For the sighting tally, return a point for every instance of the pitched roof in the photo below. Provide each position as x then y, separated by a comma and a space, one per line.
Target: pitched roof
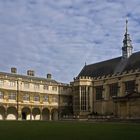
28, 77
133, 62
111, 66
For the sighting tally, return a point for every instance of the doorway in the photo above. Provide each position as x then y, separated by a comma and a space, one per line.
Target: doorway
24, 116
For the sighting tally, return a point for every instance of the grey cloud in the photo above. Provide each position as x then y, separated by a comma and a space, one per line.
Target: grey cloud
59, 36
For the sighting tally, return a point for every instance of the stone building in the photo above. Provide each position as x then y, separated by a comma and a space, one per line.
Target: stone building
105, 89
26, 97
109, 88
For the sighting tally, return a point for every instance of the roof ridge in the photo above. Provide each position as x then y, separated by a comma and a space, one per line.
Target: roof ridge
104, 61
27, 76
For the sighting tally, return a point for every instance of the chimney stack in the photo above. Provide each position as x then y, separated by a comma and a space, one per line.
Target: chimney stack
30, 72
49, 76
14, 70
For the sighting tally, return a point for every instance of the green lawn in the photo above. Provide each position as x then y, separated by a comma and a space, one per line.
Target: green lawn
25, 130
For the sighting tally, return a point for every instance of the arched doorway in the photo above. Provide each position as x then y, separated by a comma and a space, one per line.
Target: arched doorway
11, 113
45, 114
2, 113
26, 113
54, 114
36, 113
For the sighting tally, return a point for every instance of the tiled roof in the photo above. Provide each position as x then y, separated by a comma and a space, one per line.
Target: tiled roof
133, 62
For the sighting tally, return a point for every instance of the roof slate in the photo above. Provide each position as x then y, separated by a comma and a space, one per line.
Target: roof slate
110, 66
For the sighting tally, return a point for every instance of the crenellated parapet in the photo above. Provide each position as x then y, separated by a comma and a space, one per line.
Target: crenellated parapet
83, 78
117, 75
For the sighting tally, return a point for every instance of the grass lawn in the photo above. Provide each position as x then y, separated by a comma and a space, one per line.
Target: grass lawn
35, 130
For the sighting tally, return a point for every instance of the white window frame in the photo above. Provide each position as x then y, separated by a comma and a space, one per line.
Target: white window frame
36, 98
46, 98
26, 97
12, 96
54, 88
1, 82
12, 83
45, 87
1, 95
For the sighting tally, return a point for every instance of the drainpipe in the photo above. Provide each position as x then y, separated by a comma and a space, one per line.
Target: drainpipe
17, 98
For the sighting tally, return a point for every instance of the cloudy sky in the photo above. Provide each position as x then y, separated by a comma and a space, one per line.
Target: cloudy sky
59, 36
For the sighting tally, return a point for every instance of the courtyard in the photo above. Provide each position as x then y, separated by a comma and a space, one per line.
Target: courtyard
74, 130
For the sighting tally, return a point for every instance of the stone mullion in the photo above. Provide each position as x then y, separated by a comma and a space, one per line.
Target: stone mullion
50, 115
5, 114
91, 98
31, 97
106, 91
6, 96
122, 88
19, 114
87, 101
20, 97
41, 98
31, 114
40, 114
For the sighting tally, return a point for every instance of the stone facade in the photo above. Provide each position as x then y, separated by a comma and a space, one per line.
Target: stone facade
120, 101
108, 89
32, 98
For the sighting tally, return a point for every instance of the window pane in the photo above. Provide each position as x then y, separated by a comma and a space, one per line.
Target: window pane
36, 98
46, 98
46, 87
12, 83
54, 88
26, 97
84, 98
99, 92
1, 95
12, 96
129, 87
1, 82
113, 89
